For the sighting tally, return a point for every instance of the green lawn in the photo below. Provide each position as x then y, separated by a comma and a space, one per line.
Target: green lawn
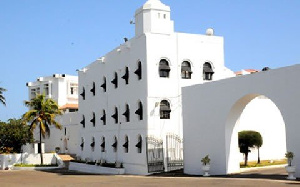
263, 163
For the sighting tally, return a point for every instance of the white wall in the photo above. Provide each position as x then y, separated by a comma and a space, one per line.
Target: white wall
210, 123
58, 138
127, 55
25, 158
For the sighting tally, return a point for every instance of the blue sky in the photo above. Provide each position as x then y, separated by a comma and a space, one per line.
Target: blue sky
40, 38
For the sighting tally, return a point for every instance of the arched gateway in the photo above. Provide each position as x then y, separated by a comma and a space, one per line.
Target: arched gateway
210, 118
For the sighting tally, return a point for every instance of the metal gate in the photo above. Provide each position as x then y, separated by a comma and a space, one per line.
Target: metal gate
155, 154
174, 151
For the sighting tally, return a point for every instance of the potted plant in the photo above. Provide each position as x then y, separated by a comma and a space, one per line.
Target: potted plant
206, 165
57, 149
290, 168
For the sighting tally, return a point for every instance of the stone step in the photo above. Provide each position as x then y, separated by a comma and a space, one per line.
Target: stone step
66, 157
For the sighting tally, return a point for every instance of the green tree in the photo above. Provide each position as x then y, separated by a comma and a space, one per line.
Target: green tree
249, 139
42, 113
13, 135
2, 98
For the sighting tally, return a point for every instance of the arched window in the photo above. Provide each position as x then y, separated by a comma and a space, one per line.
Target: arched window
138, 71
207, 71
139, 111
126, 114
165, 109
93, 144
104, 84
102, 145
82, 144
126, 144
115, 80
164, 68
139, 144
93, 120
126, 75
115, 144
115, 115
83, 93
83, 121
186, 71
103, 118
93, 90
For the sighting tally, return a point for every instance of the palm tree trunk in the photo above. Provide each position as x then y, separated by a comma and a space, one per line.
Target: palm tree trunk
40, 147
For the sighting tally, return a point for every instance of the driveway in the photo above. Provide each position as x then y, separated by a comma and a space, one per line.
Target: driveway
266, 177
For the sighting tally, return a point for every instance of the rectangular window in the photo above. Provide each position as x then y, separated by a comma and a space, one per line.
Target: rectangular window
38, 90
73, 89
46, 89
33, 93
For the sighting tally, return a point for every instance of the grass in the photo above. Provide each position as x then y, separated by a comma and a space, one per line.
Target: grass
35, 165
263, 163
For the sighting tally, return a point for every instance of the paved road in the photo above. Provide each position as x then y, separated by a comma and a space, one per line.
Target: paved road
269, 177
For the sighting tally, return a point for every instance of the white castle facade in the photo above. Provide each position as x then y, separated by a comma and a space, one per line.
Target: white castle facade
130, 99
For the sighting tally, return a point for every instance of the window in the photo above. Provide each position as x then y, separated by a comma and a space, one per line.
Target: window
126, 75
115, 144
139, 144
93, 90
115, 115
165, 109
103, 145
125, 145
83, 93
65, 131
104, 84
139, 111
93, 144
138, 71
127, 113
74, 89
115, 80
103, 118
46, 89
33, 93
186, 72
93, 120
207, 71
164, 68
38, 90
83, 121
73, 110
82, 144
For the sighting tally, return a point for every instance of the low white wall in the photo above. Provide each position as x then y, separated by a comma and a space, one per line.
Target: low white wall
25, 158
95, 169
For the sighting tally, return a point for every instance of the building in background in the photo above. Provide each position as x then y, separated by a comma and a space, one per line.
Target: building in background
64, 90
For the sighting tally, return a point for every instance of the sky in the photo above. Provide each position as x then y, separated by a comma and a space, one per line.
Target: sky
43, 37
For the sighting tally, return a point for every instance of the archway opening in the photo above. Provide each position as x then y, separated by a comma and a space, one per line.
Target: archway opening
258, 113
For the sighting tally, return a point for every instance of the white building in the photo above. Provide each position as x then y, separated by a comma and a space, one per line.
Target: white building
130, 99
64, 90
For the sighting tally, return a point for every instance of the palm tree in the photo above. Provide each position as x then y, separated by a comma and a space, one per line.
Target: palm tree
2, 98
42, 113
